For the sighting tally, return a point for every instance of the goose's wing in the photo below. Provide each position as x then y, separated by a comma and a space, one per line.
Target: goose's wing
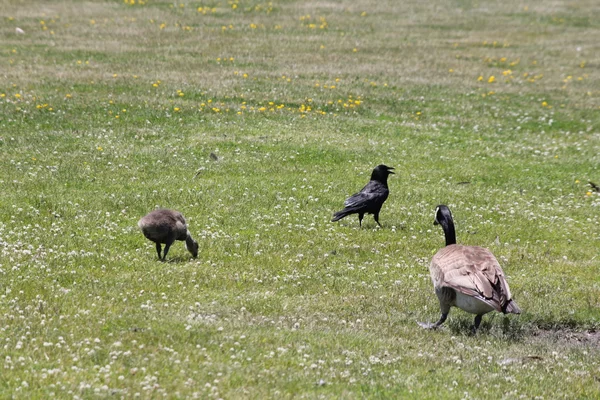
473, 271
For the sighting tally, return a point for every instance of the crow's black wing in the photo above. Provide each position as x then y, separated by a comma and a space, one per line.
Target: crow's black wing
373, 194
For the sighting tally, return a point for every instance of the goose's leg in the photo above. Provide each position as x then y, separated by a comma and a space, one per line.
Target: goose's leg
429, 325
476, 323
445, 296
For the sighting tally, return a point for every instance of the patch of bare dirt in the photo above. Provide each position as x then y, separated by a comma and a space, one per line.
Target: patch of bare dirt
567, 337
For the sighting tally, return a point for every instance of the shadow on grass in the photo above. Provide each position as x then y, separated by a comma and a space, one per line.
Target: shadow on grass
568, 333
178, 260
502, 327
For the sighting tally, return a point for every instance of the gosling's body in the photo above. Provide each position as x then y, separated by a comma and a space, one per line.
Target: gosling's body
467, 277
165, 226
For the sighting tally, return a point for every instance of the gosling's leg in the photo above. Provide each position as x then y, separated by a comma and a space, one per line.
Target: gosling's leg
167, 247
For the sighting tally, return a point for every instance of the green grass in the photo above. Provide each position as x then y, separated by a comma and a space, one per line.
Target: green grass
108, 110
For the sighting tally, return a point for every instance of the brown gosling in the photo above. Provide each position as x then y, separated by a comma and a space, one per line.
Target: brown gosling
467, 277
166, 226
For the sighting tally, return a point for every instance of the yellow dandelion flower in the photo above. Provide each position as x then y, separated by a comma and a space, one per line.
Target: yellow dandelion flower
491, 79
507, 72
576, 180
544, 104
480, 78
68, 95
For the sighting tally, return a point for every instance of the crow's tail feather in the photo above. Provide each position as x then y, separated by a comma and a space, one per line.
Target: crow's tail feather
339, 215
343, 213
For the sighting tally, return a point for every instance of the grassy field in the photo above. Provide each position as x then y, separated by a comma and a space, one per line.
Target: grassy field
109, 109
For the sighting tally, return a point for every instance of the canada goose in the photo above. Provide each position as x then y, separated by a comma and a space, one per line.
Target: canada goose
166, 226
370, 199
468, 277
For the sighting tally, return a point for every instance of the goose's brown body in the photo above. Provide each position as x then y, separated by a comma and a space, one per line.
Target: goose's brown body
470, 272
467, 277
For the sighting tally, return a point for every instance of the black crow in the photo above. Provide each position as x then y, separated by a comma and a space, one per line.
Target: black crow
166, 226
370, 199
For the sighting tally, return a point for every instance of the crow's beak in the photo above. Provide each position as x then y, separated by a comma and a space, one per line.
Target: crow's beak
390, 170
435, 222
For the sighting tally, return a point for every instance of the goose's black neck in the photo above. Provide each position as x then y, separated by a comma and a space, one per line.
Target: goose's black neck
448, 227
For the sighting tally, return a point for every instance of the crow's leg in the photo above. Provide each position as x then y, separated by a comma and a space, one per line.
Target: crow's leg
158, 250
376, 216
